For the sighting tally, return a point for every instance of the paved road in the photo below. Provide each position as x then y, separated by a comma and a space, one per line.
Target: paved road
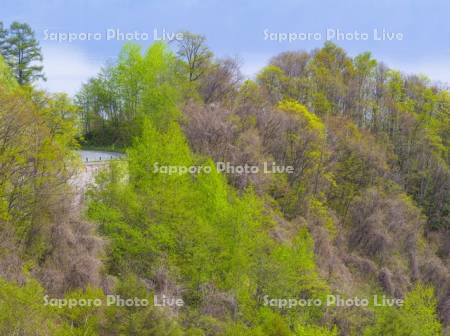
93, 162
94, 156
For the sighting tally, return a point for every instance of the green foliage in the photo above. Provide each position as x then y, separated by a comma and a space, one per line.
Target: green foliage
312, 121
312, 330
22, 311
21, 51
148, 320
272, 79
114, 104
249, 94
198, 228
84, 320
416, 317
303, 147
38, 143
361, 138
196, 55
360, 160
321, 213
6, 77
331, 69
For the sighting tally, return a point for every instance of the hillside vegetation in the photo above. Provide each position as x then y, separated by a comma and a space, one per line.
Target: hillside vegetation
364, 211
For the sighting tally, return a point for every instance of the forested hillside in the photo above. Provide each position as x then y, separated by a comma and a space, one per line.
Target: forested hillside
363, 211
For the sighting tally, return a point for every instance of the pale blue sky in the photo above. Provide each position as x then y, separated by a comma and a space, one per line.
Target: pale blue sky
236, 28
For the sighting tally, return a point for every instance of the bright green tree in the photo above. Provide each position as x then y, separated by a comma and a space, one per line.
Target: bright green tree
417, 317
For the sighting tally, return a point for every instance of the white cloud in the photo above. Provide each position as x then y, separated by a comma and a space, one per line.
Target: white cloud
66, 68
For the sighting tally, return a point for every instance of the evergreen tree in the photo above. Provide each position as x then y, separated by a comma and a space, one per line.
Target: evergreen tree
3, 35
22, 53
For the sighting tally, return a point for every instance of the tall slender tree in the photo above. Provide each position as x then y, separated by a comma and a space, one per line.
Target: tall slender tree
21, 50
3, 35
